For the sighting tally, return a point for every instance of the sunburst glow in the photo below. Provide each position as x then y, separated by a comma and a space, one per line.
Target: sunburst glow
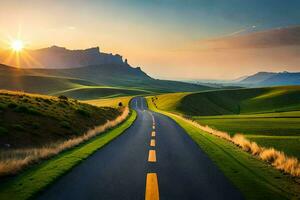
17, 45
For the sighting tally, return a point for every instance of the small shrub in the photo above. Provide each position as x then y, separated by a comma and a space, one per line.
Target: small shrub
35, 125
26, 100
39, 99
12, 105
62, 97
60, 104
48, 101
83, 112
26, 110
18, 127
3, 130
2, 106
65, 124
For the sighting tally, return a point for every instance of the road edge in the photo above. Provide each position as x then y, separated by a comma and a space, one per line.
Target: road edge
32, 181
271, 183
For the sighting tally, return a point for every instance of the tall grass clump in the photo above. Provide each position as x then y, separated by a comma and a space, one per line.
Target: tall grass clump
12, 161
278, 159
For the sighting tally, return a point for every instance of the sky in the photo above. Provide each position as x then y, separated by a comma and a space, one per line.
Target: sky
161, 36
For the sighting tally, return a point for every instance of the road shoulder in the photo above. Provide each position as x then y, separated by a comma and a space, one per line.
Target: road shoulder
255, 179
37, 178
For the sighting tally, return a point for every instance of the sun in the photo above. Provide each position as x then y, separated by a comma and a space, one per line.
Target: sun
17, 45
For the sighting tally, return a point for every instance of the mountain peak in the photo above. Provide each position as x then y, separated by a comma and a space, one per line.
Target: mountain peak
61, 57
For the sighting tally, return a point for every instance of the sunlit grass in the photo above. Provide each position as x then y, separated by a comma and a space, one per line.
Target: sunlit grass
110, 102
256, 179
12, 161
33, 180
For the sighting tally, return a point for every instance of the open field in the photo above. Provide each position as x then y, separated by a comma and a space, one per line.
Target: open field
73, 88
89, 82
40, 84
256, 179
268, 116
236, 101
97, 92
278, 130
33, 180
110, 102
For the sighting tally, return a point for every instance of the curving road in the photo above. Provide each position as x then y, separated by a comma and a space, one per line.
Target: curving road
153, 159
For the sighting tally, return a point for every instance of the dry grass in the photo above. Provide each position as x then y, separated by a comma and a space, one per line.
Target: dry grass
276, 158
12, 161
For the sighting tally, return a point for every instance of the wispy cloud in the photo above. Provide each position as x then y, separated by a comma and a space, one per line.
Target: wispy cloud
243, 30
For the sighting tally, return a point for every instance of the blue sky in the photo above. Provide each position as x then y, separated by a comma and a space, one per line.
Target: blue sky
145, 32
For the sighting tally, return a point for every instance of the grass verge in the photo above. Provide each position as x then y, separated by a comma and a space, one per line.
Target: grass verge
37, 178
254, 178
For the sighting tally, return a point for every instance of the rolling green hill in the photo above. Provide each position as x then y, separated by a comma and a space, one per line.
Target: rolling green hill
121, 76
269, 116
237, 101
47, 81
35, 82
32, 120
98, 92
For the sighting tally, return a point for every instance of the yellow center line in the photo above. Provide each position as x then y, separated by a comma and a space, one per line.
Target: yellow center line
153, 134
152, 143
152, 192
152, 156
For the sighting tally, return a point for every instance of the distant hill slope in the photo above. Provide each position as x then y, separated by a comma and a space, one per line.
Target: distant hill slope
272, 79
258, 77
35, 82
237, 101
89, 64
122, 76
49, 81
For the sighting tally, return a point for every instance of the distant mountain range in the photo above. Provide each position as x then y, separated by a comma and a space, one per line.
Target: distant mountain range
58, 67
260, 79
60, 57
272, 79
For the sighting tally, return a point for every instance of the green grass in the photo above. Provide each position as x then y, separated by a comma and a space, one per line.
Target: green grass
58, 119
40, 84
33, 180
235, 101
110, 102
254, 178
278, 130
268, 116
97, 92
51, 81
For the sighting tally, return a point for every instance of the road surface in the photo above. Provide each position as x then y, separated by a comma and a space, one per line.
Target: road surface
153, 159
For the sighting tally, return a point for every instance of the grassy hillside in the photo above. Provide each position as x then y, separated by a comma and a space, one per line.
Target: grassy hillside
120, 76
269, 116
237, 101
255, 179
40, 84
117, 76
110, 102
35, 82
278, 130
33, 120
33, 180
97, 92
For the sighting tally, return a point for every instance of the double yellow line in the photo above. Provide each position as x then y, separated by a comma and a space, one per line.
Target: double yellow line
152, 191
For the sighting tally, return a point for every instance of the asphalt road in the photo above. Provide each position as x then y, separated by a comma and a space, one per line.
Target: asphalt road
154, 158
